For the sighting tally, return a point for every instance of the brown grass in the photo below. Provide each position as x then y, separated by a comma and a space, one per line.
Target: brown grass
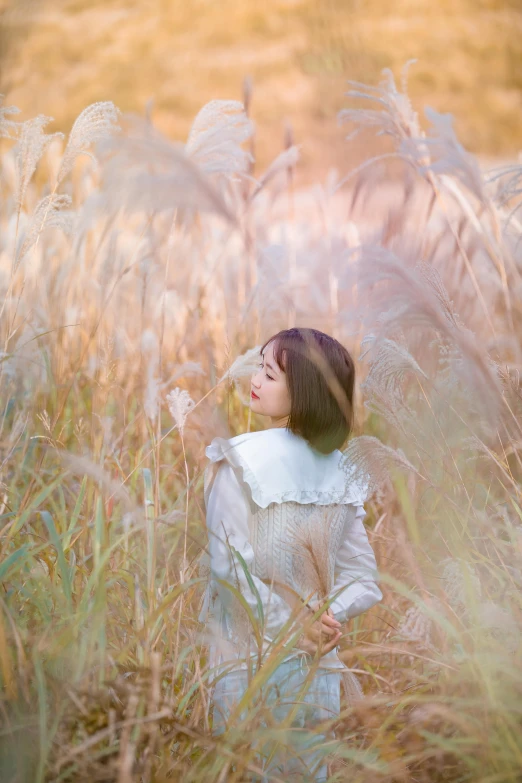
60, 56
102, 660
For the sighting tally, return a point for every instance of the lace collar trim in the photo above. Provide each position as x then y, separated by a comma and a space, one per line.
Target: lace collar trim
278, 466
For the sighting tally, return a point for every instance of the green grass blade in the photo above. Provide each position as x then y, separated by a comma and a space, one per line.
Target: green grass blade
62, 562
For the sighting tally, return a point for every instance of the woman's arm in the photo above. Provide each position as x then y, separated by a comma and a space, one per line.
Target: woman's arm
227, 523
355, 571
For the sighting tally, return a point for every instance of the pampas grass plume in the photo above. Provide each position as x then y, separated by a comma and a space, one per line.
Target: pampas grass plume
180, 404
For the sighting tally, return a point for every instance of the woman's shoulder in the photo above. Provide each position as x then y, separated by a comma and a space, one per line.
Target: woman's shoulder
278, 465
270, 442
219, 446
272, 450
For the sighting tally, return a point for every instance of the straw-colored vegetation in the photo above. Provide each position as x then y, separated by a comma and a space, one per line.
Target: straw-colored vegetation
57, 56
150, 267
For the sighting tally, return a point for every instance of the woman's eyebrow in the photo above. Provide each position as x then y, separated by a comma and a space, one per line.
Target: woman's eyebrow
268, 365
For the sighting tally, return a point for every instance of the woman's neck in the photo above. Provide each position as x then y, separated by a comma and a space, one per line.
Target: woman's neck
279, 421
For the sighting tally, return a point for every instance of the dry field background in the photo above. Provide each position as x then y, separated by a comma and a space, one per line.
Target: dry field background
146, 267
57, 56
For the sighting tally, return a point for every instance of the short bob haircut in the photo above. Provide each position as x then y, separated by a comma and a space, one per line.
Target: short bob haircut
320, 375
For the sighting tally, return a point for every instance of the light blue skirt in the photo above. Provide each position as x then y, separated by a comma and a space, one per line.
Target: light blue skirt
287, 718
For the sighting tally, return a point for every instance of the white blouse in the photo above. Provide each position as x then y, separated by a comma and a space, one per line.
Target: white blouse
294, 517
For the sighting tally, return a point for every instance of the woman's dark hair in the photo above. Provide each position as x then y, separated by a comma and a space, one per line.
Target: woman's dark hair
321, 379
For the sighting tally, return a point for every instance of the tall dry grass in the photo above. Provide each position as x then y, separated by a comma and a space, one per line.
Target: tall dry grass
134, 272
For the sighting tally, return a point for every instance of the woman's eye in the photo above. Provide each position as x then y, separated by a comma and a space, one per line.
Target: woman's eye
267, 375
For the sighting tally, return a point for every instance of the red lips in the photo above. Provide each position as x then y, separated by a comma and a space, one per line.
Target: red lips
254, 395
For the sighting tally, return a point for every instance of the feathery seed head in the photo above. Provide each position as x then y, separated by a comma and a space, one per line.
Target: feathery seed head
180, 404
456, 575
416, 627
8, 128
367, 463
50, 212
32, 143
216, 135
151, 396
243, 365
95, 123
394, 117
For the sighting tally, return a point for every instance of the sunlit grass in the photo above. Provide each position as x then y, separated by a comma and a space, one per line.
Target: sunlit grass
102, 659
299, 54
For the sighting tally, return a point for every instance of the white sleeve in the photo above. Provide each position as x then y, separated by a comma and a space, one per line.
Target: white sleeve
355, 571
227, 523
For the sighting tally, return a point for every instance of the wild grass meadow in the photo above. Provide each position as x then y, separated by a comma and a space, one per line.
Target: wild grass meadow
138, 275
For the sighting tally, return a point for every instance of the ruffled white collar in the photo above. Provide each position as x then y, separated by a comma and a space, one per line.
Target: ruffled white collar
279, 466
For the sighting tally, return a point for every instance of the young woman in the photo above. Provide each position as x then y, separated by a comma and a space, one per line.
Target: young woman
290, 560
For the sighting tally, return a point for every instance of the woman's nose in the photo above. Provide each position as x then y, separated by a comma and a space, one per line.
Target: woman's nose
254, 380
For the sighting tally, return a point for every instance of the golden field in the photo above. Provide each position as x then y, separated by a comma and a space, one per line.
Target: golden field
170, 57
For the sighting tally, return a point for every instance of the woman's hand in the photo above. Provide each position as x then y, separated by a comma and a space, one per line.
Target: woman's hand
322, 635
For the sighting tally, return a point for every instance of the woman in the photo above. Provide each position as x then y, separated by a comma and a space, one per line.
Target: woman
289, 556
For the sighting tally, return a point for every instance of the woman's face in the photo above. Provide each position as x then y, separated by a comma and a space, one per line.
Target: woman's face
269, 392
